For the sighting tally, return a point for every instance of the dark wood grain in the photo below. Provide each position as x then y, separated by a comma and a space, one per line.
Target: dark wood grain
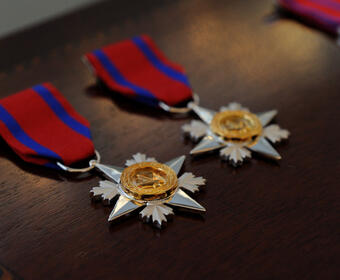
5, 274
263, 221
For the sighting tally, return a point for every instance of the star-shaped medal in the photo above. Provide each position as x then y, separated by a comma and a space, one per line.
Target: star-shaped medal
146, 183
235, 131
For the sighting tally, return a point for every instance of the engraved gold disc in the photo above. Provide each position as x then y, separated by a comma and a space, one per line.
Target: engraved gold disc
238, 125
149, 181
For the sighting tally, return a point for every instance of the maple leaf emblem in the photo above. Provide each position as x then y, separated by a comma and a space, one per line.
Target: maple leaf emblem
106, 191
195, 129
274, 133
139, 158
191, 183
234, 106
157, 213
235, 153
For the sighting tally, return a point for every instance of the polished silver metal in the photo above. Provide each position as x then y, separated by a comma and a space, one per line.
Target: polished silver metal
178, 110
235, 153
123, 206
92, 164
181, 199
176, 164
265, 148
112, 172
267, 117
205, 115
88, 65
208, 143
154, 211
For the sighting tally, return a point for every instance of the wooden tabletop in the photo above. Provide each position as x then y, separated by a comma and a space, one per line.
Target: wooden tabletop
264, 220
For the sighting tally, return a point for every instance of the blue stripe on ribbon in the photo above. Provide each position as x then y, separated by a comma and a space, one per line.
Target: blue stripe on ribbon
165, 69
142, 94
58, 109
23, 138
326, 20
52, 165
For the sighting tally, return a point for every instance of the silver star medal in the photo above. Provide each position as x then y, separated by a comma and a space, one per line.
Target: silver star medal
235, 131
148, 184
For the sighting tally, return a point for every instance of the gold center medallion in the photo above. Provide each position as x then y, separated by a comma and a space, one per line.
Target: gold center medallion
149, 181
236, 125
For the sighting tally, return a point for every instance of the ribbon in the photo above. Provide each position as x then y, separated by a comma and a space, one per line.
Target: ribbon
43, 128
322, 13
138, 69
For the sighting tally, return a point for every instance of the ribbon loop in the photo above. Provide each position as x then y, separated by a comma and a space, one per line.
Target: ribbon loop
138, 69
43, 128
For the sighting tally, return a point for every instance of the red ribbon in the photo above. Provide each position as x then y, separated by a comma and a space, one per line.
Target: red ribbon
138, 69
43, 128
322, 13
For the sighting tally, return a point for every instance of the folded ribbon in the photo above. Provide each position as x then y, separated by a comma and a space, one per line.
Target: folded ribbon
138, 69
323, 13
43, 128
